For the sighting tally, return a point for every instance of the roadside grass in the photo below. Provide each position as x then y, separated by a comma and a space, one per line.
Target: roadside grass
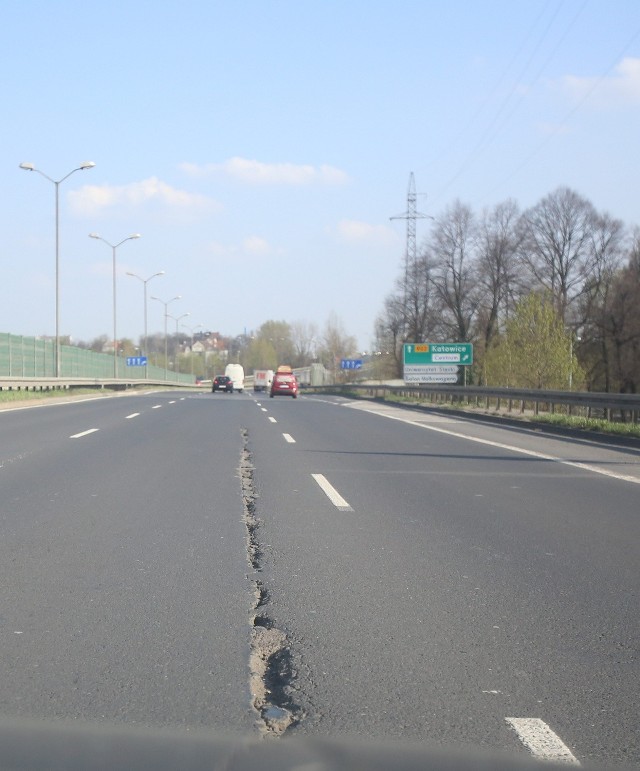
592, 424
7, 396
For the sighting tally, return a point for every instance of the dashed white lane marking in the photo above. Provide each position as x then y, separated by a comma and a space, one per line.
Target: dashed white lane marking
133, 415
84, 433
289, 438
264, 409
332, 494
156, 406
273, 420
543, 743
173, 401
512, 448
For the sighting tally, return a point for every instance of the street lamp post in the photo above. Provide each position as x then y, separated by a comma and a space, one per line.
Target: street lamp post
113, 251
166, 316
145, 281
192, 330
177, 319
57, 182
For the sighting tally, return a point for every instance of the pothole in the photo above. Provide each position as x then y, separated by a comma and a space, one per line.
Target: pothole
270, 659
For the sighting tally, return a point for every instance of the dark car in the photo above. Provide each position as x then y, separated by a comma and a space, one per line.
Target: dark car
284, 383
222, 383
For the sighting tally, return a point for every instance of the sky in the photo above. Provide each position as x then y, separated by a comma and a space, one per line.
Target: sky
261, 148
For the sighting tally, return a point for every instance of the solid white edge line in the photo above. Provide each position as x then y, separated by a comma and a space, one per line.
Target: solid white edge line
84, 433
511, 448
543, 743
332, 494
133, 415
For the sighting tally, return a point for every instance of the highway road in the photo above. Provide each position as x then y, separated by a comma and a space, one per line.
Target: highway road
320, 567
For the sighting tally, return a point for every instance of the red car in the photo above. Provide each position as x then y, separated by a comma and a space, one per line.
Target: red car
284, 383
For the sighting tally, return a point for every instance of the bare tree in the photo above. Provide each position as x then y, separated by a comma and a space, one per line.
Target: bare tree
390, 333
418, 300
623, 323
498, 269
591, 318
335, 344
304, 337
557, 245
454, 275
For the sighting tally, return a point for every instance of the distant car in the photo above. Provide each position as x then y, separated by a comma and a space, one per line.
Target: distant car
222, 383
284, 383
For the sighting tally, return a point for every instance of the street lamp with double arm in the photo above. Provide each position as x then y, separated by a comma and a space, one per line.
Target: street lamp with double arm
166, 304
82, 167
113, 251
145, 281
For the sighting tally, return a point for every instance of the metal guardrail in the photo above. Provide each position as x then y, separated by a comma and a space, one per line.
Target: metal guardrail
611, 406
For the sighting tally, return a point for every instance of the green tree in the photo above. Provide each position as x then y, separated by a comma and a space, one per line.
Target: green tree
535, 350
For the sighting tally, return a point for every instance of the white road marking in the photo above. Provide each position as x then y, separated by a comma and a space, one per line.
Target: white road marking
273, 420
84, 433
543, 743
172, 402
133, 415
264, 409
512, 448
156, 406
289, 438
332, 494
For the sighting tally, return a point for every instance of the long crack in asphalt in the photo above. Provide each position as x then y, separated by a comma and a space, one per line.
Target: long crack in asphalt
270, 659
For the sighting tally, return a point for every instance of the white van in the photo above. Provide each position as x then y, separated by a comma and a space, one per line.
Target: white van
236, 373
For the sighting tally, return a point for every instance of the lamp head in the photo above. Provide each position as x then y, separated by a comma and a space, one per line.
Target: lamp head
27, 166
87, 165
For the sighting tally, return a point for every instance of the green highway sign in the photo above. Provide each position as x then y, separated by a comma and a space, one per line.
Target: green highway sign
438, 353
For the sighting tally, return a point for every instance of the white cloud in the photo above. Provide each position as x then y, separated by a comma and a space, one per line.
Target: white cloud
622, 88
258, 173
251, 246
256, 245
92, 199
354, 231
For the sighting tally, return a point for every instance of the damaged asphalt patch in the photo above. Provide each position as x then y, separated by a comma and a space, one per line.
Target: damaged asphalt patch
270, 660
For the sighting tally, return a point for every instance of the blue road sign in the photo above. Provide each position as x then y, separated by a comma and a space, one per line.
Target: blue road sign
136, 361
351, 364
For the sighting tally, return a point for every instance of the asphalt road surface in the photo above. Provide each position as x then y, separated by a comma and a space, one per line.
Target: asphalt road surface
320, 567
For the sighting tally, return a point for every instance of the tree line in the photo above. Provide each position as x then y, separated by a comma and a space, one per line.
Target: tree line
274, 343
549, 296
